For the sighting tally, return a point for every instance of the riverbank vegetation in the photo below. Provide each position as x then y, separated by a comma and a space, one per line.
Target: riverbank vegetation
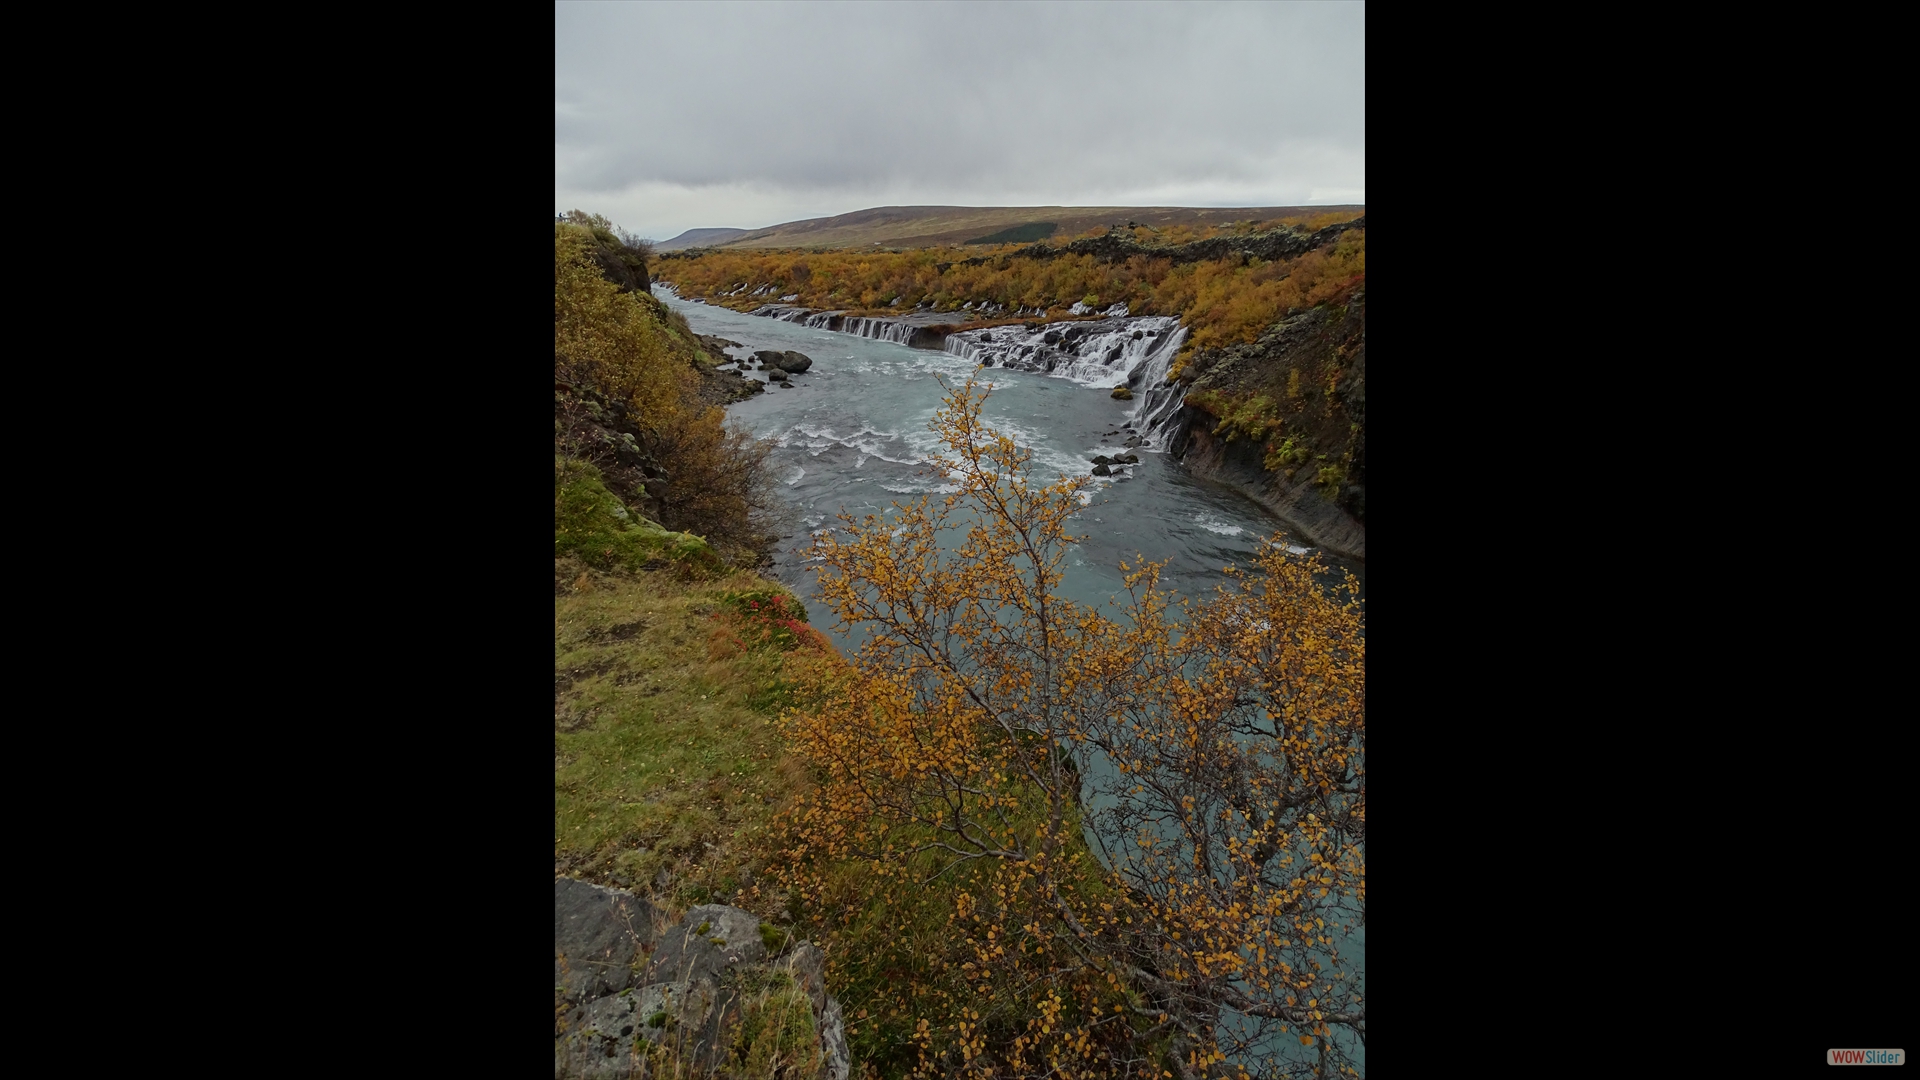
1297, 395
1223, 300
628, 373
991, 734
670, 660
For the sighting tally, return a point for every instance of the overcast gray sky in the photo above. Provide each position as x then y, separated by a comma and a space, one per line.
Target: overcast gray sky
671, 116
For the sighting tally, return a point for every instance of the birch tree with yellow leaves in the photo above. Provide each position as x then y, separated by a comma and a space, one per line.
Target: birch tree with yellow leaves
1135, 837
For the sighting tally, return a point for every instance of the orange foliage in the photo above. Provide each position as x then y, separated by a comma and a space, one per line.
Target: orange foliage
1230, 817
1222, 302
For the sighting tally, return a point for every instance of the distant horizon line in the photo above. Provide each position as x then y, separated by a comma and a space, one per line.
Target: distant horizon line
1011, 206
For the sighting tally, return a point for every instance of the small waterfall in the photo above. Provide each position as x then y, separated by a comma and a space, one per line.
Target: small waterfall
1158, 401
879, 329
898, 333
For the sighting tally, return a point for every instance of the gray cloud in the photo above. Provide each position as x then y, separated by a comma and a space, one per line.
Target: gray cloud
674, 116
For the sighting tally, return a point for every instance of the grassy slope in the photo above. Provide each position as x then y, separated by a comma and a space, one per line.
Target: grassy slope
927, 226
665, 757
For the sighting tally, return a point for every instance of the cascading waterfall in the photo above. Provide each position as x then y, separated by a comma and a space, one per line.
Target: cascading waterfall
1119, 351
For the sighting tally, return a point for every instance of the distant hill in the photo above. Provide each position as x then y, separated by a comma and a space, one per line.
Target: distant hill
699, 238
1019, 234
928, 226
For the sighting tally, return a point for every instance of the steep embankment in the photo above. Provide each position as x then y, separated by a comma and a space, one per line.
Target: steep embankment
1284, 418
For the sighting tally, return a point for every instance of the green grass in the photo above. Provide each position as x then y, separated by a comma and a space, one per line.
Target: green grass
665, 753
667, 757
776, 1036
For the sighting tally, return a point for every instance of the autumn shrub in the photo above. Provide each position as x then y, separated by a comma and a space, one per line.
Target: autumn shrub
1290, 452
958, 808
706, 479
715, 481
612, 340
1252, 417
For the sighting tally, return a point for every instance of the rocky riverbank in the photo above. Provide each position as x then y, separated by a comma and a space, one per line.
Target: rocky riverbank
1283, 419
723, 384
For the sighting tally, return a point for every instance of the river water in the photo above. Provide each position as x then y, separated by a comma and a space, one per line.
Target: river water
852, 433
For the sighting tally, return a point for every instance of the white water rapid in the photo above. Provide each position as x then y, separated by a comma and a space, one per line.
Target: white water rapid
1118, 351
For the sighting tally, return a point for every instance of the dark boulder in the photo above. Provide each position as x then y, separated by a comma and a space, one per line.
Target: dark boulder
710, 942
600, 936
789, 361
1102, 470
1353, 499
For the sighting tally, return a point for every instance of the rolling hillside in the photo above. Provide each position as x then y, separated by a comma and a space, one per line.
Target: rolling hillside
699, 238
929, 226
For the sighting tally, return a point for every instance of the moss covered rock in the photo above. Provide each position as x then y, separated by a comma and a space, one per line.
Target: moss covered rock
592, 525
